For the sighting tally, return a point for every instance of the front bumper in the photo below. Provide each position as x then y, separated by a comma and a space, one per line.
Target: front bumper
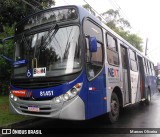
73, 109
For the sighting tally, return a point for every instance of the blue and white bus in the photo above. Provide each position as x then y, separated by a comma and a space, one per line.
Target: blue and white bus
69, 65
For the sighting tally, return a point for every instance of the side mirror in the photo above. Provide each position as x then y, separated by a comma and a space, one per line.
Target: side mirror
92, 44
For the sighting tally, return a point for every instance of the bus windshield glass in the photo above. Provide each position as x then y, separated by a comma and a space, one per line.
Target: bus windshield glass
57, 50
46, 17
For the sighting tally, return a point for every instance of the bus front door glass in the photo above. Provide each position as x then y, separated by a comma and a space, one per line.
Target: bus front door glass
125, 72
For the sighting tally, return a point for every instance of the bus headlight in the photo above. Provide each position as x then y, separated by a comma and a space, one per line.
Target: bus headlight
74, 91
12, 96
65, 96
69, 94
15, 98
57, 99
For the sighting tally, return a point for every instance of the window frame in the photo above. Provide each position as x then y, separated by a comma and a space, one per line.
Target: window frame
131, 59
111, 49
98, 41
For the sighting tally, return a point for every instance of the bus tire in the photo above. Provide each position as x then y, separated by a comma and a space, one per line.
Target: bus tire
148, 99
113, 115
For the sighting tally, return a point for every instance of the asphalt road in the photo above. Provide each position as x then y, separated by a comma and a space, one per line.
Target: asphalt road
139, 117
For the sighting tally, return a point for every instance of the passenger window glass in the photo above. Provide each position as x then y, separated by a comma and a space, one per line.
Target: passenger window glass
94, 60
112, 51
124, 57
91, 29
111, 43
133, 60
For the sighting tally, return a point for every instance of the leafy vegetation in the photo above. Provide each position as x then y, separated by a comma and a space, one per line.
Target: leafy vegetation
11, 12
5, 117
119, 25
122, 27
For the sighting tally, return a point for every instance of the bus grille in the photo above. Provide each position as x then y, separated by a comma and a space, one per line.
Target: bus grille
39, 113
36, 85
36, 99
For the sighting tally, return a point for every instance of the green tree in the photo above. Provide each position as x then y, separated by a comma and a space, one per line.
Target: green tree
5, 67
11, 12
122, 27
89, 8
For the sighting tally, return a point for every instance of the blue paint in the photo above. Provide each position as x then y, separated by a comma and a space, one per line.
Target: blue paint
19, 62
96, 103
92, 44
57, 90
15, 63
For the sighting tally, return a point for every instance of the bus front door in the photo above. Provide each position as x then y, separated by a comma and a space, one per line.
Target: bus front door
125, 75
141, 77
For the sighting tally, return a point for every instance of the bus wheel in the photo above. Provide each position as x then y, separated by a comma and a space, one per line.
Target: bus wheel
113, 115
148, 99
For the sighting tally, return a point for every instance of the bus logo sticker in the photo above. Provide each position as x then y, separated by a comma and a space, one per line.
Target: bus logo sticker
113, 72
37, 72
113, 75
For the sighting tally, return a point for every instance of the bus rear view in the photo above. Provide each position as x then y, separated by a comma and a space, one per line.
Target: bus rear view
47, 76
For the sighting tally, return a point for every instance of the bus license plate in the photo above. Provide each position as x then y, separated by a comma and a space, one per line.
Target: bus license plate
33, 109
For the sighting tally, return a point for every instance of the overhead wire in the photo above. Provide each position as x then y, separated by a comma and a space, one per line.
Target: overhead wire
95, 11
123, 14
35, 8
66, 2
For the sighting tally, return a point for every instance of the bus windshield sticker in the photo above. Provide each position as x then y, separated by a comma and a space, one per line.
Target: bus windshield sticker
39, 72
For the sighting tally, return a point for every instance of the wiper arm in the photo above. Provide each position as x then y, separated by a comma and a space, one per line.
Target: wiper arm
24, 39
44, 43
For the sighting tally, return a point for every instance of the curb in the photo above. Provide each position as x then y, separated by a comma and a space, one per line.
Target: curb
20, 123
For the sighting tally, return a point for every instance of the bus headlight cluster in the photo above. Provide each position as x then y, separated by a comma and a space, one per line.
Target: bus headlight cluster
69, 94
13, 97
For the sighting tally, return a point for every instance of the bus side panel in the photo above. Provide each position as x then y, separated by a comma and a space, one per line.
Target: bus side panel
152, 84
96, 94
134, 86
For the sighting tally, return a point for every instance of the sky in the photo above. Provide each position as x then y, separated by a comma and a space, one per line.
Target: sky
143, 16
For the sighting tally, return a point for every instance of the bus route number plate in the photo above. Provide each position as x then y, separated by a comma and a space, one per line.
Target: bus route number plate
33, 108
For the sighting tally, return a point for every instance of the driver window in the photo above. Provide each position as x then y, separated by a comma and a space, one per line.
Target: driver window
94, 60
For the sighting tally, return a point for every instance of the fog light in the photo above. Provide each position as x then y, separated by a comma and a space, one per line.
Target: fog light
15, 98
12, 96
66, 97
57, 100
74, 91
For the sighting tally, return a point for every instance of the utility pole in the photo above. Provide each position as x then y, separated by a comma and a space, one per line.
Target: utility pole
146, 47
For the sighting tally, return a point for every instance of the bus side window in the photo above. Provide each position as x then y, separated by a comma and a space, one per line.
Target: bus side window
149, 70
150, 67
146, 66
153, 71
133, 60
94, 60
112, 51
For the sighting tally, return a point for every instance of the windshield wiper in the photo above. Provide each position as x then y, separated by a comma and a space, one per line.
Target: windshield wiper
24, 39
44, 43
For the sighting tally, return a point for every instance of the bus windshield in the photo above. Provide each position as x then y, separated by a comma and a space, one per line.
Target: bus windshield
57, 50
